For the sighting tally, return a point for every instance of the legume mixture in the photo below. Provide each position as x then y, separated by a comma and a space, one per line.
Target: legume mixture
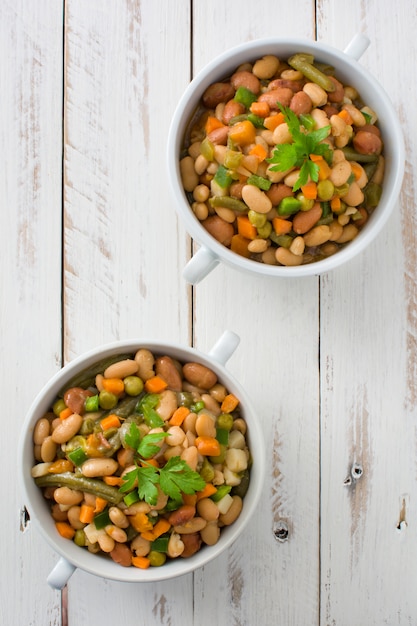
282, 163
143, 458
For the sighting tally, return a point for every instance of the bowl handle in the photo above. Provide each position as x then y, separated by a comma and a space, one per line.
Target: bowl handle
201, 264
60, 574
357, 46
224, 347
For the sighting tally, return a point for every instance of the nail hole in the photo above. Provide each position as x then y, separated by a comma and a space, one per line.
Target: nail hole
281, 532
356, 471
348, 481
24, 519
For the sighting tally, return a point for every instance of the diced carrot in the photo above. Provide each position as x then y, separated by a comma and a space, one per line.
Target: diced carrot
156, 384
245, 228
148, 535
243, 133
65, 530
179, 416
140, 522
65, 413
239, 245
207, 446
115, 481
162, 526
346, 116
111, 421
141, 561
309, 190
101, 504
335, 203
189, 498
114, 385
60, 466
259, 151
281, 226
356, 170
324, 168
212, 123
230, 402
272, 121
261, 109
147, 462
86, 514
208, 491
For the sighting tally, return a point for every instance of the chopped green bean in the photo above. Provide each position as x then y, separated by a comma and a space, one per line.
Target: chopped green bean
81, 483
352, 155
228, 202
303, 64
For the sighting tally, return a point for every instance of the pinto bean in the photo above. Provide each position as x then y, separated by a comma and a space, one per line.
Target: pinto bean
121, 554
75, 398
199, 375
283, 95
277, 192
166, 368
231, 109
182, 515
339, 93
218, 136
216, 93
219, 229
192, 544
246, 79
304, 220
301, 103
294, 85
366, 142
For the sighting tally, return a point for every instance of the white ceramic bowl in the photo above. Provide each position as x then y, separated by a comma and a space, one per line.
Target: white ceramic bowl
349, 71
72, 556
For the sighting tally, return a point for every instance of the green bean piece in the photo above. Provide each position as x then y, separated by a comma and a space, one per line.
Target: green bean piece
373, 193
81, 483
370, 169
184, 398
222, 436
222, 490
256, 120
241, 489
220, 457
257, 219
125, 407
207, 471
265, 231
87, 377
225, 421
281, 240
228, 203
58, 406
238, 118
301, 63
352, 155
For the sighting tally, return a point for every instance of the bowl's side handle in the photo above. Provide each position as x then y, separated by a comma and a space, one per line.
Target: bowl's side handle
201, 264
225, 347
59, 576
357, 46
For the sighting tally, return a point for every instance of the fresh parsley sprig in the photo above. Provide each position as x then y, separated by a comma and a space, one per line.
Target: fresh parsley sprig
297, 154
174, 478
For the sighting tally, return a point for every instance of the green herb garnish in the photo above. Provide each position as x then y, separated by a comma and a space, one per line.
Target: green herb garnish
297, 154
174, 478
146, 407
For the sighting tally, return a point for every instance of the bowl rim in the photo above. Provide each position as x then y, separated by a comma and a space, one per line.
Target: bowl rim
392, 134
100, 565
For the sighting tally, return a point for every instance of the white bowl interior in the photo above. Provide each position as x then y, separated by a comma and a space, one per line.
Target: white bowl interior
350, 72
38, 507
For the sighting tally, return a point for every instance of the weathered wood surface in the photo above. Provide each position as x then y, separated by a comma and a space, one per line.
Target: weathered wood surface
93, 251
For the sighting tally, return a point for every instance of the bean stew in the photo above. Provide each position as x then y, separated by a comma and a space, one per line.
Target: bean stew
282, 163
143, 458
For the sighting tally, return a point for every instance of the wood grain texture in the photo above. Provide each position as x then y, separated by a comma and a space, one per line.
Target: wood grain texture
329, 362
30, 313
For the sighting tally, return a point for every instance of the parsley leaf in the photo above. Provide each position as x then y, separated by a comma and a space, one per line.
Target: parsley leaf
176, 477
147, 447
132, 438
148, 479
297, 154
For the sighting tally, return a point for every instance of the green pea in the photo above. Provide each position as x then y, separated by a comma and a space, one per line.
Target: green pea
207, 471
257, 219
107, 399
133, 385
59, 406
157, 558
325, 190
265, 231
79, 537
306, 203
225, 420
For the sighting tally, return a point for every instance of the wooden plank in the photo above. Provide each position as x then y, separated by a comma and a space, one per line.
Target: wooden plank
122, 241
261, 578
30, 315
368, 385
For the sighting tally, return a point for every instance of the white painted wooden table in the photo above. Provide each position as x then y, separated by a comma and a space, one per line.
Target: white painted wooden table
92, 251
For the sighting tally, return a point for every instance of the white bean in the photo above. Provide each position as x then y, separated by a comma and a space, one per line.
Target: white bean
99, 467
67, 428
